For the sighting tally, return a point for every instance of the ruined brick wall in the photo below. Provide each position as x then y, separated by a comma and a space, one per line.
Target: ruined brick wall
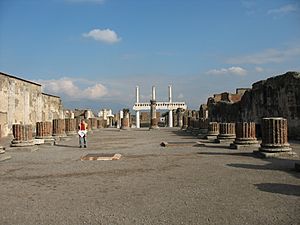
277, 96
21, 101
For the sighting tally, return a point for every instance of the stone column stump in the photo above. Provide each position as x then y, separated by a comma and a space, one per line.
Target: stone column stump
185, 121
245, 136
227, 132
203, 127
125, 120
70, 127
44, 132
22, 136
213, 130
58, 130
275, 138
94, 125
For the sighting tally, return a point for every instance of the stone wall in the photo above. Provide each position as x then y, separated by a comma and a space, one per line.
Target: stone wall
23, 102
278, 96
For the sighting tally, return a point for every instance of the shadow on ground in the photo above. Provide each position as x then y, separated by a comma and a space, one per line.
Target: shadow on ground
285, 189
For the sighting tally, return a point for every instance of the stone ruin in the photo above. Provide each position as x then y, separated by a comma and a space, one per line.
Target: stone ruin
270, 110
277, 96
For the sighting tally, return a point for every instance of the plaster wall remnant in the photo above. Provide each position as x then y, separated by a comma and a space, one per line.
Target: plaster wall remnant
22, 102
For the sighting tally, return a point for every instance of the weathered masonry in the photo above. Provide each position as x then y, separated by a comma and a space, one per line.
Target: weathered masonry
22, 102
277, 96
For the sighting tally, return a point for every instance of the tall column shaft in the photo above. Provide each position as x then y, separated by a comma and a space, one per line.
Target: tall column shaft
137, 119
170, 118
43, 130
170, 93
153, 93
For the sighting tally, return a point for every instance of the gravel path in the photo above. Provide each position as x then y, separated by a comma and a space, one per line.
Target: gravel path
149, 185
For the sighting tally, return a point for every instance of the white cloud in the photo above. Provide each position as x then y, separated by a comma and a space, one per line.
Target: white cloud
259, 69
69, 88
283, 10
266, 56
232, 70
105, 35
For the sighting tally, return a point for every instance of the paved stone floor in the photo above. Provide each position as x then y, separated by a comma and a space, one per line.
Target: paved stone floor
150, 184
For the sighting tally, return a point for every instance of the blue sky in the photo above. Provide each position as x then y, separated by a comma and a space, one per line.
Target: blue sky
93, 53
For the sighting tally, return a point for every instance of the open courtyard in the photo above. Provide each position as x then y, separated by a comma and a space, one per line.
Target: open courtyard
149, 184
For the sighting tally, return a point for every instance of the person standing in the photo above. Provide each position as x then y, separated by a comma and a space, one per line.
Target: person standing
82, 132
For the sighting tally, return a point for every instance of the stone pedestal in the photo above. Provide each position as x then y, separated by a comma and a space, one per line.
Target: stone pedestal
22, 136
70, 128
94, 125
125, 122
203, 127
227, 132
245, 136
213, 130
58, 128
274, 137
44, 132
153, 122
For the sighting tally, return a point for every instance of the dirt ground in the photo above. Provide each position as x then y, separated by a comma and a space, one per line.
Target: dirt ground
150, 184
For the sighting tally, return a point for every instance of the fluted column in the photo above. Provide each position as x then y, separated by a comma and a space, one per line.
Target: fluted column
22, 135
245, 136
59, 128
213, 130
43, 130
245, 133
70, 127
227, 131
274, 135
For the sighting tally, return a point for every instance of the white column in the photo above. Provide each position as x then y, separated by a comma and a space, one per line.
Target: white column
137, 119
137, 94
170, 93
170, 118
153, 93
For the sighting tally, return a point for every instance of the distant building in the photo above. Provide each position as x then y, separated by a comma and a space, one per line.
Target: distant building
107, 115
